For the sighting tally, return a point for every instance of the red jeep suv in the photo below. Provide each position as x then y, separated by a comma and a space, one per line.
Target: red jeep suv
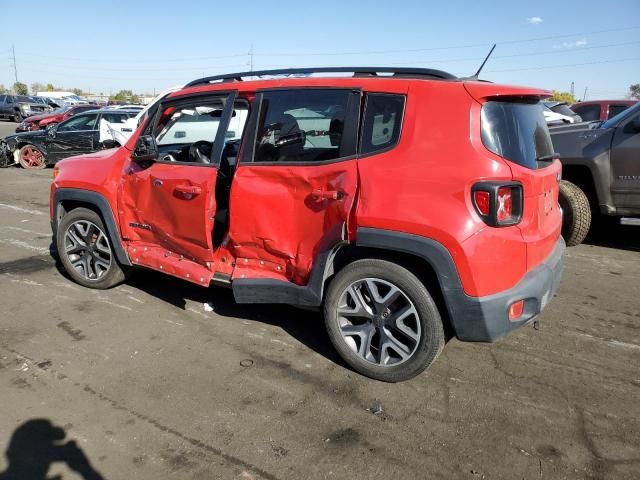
335, 191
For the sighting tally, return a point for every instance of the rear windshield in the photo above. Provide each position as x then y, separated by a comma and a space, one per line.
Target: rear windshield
516, 131
563, 109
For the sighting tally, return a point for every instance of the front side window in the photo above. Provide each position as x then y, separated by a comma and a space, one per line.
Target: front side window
186, 133
305, 125
516, 131
588, 113
79, 123
382, 122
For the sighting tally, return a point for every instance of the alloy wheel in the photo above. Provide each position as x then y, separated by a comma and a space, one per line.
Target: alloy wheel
88, 250
31, 157
378, 321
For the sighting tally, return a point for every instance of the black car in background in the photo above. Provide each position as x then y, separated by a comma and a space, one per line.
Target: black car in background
18, 107
75, 136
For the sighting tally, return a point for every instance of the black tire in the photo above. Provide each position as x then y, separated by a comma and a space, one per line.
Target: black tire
576, 213
431, 340
108, 278
18, 117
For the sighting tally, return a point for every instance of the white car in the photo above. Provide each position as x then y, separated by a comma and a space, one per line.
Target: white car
559, 113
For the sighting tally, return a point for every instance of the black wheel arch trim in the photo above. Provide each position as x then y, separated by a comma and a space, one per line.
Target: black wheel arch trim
101, 203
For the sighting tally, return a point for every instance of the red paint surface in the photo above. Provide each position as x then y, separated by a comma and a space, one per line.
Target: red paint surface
283, 216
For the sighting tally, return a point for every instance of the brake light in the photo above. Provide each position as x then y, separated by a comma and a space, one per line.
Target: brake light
499, 204
483, 201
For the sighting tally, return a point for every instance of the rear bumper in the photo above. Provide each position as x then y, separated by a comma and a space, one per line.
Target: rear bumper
485, 319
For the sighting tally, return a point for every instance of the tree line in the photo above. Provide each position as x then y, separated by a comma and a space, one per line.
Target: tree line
20, 88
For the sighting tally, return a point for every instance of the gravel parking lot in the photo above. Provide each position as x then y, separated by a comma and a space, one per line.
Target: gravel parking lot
150, 384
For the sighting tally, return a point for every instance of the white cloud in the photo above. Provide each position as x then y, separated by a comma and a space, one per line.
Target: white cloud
534, 20
578, 43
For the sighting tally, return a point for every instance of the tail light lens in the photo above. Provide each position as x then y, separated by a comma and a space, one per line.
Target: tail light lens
499, 204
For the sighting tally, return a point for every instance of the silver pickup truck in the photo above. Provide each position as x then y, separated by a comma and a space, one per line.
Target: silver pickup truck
600, 171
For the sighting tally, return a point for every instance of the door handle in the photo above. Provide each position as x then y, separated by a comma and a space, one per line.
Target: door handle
328, 194
188, 189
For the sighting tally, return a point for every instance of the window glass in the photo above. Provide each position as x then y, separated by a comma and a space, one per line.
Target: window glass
304, 125
516, 131
2, 98
616, 109
79, 122
382, 122
588, 113
23, 98
114, 117
187, 133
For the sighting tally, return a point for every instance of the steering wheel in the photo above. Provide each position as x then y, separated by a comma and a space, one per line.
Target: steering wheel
200, 152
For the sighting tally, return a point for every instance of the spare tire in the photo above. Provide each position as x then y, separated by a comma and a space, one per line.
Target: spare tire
576, 213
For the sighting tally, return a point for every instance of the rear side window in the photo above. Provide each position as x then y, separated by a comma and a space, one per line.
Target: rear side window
305, 125
588, 113
382, 122
616, 109
516, 131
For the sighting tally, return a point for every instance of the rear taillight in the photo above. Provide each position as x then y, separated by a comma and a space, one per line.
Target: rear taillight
499, 204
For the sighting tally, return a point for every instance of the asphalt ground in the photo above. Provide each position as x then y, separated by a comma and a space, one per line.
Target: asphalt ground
143, 381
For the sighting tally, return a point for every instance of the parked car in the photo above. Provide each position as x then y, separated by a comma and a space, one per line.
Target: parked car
76, 135
345, 194
559, 113
17, 107
600, 170
68, 98
601, 109
40, 122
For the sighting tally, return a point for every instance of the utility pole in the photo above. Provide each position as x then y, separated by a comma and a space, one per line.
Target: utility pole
251, 59
584, 96
15, 66
572, 88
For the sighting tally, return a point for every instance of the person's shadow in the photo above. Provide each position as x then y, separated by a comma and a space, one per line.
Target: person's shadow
35, 445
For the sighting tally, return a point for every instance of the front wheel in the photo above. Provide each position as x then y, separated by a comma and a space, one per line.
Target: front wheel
85, 250
31, 157
18, 117
576, 213
382, 320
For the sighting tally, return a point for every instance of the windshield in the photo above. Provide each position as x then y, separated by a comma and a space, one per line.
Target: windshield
516, 131
613, 121
563, 109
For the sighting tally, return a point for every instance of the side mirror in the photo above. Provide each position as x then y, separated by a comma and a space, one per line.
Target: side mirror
633, 126
51, 129
146, 149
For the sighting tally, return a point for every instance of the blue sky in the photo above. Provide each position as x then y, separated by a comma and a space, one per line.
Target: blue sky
147, 45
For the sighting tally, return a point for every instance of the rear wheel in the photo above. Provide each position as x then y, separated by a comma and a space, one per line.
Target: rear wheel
85, 250
31, 157
576, 213
382, 320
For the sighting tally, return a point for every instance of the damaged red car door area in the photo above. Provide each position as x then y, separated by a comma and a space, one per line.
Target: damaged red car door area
168, 208
293, 199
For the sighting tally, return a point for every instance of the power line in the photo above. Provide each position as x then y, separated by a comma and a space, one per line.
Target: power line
499, 42
362, 52
547, 67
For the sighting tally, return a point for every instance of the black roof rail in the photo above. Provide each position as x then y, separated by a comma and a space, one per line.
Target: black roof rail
357, 71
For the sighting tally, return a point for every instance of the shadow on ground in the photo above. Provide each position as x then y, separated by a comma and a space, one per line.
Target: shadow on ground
36, 445
306, 326
612, 235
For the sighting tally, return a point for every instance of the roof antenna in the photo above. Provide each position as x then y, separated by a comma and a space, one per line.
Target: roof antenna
477, 74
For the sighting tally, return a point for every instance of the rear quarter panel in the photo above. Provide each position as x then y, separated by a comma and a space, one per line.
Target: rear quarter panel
423, 187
